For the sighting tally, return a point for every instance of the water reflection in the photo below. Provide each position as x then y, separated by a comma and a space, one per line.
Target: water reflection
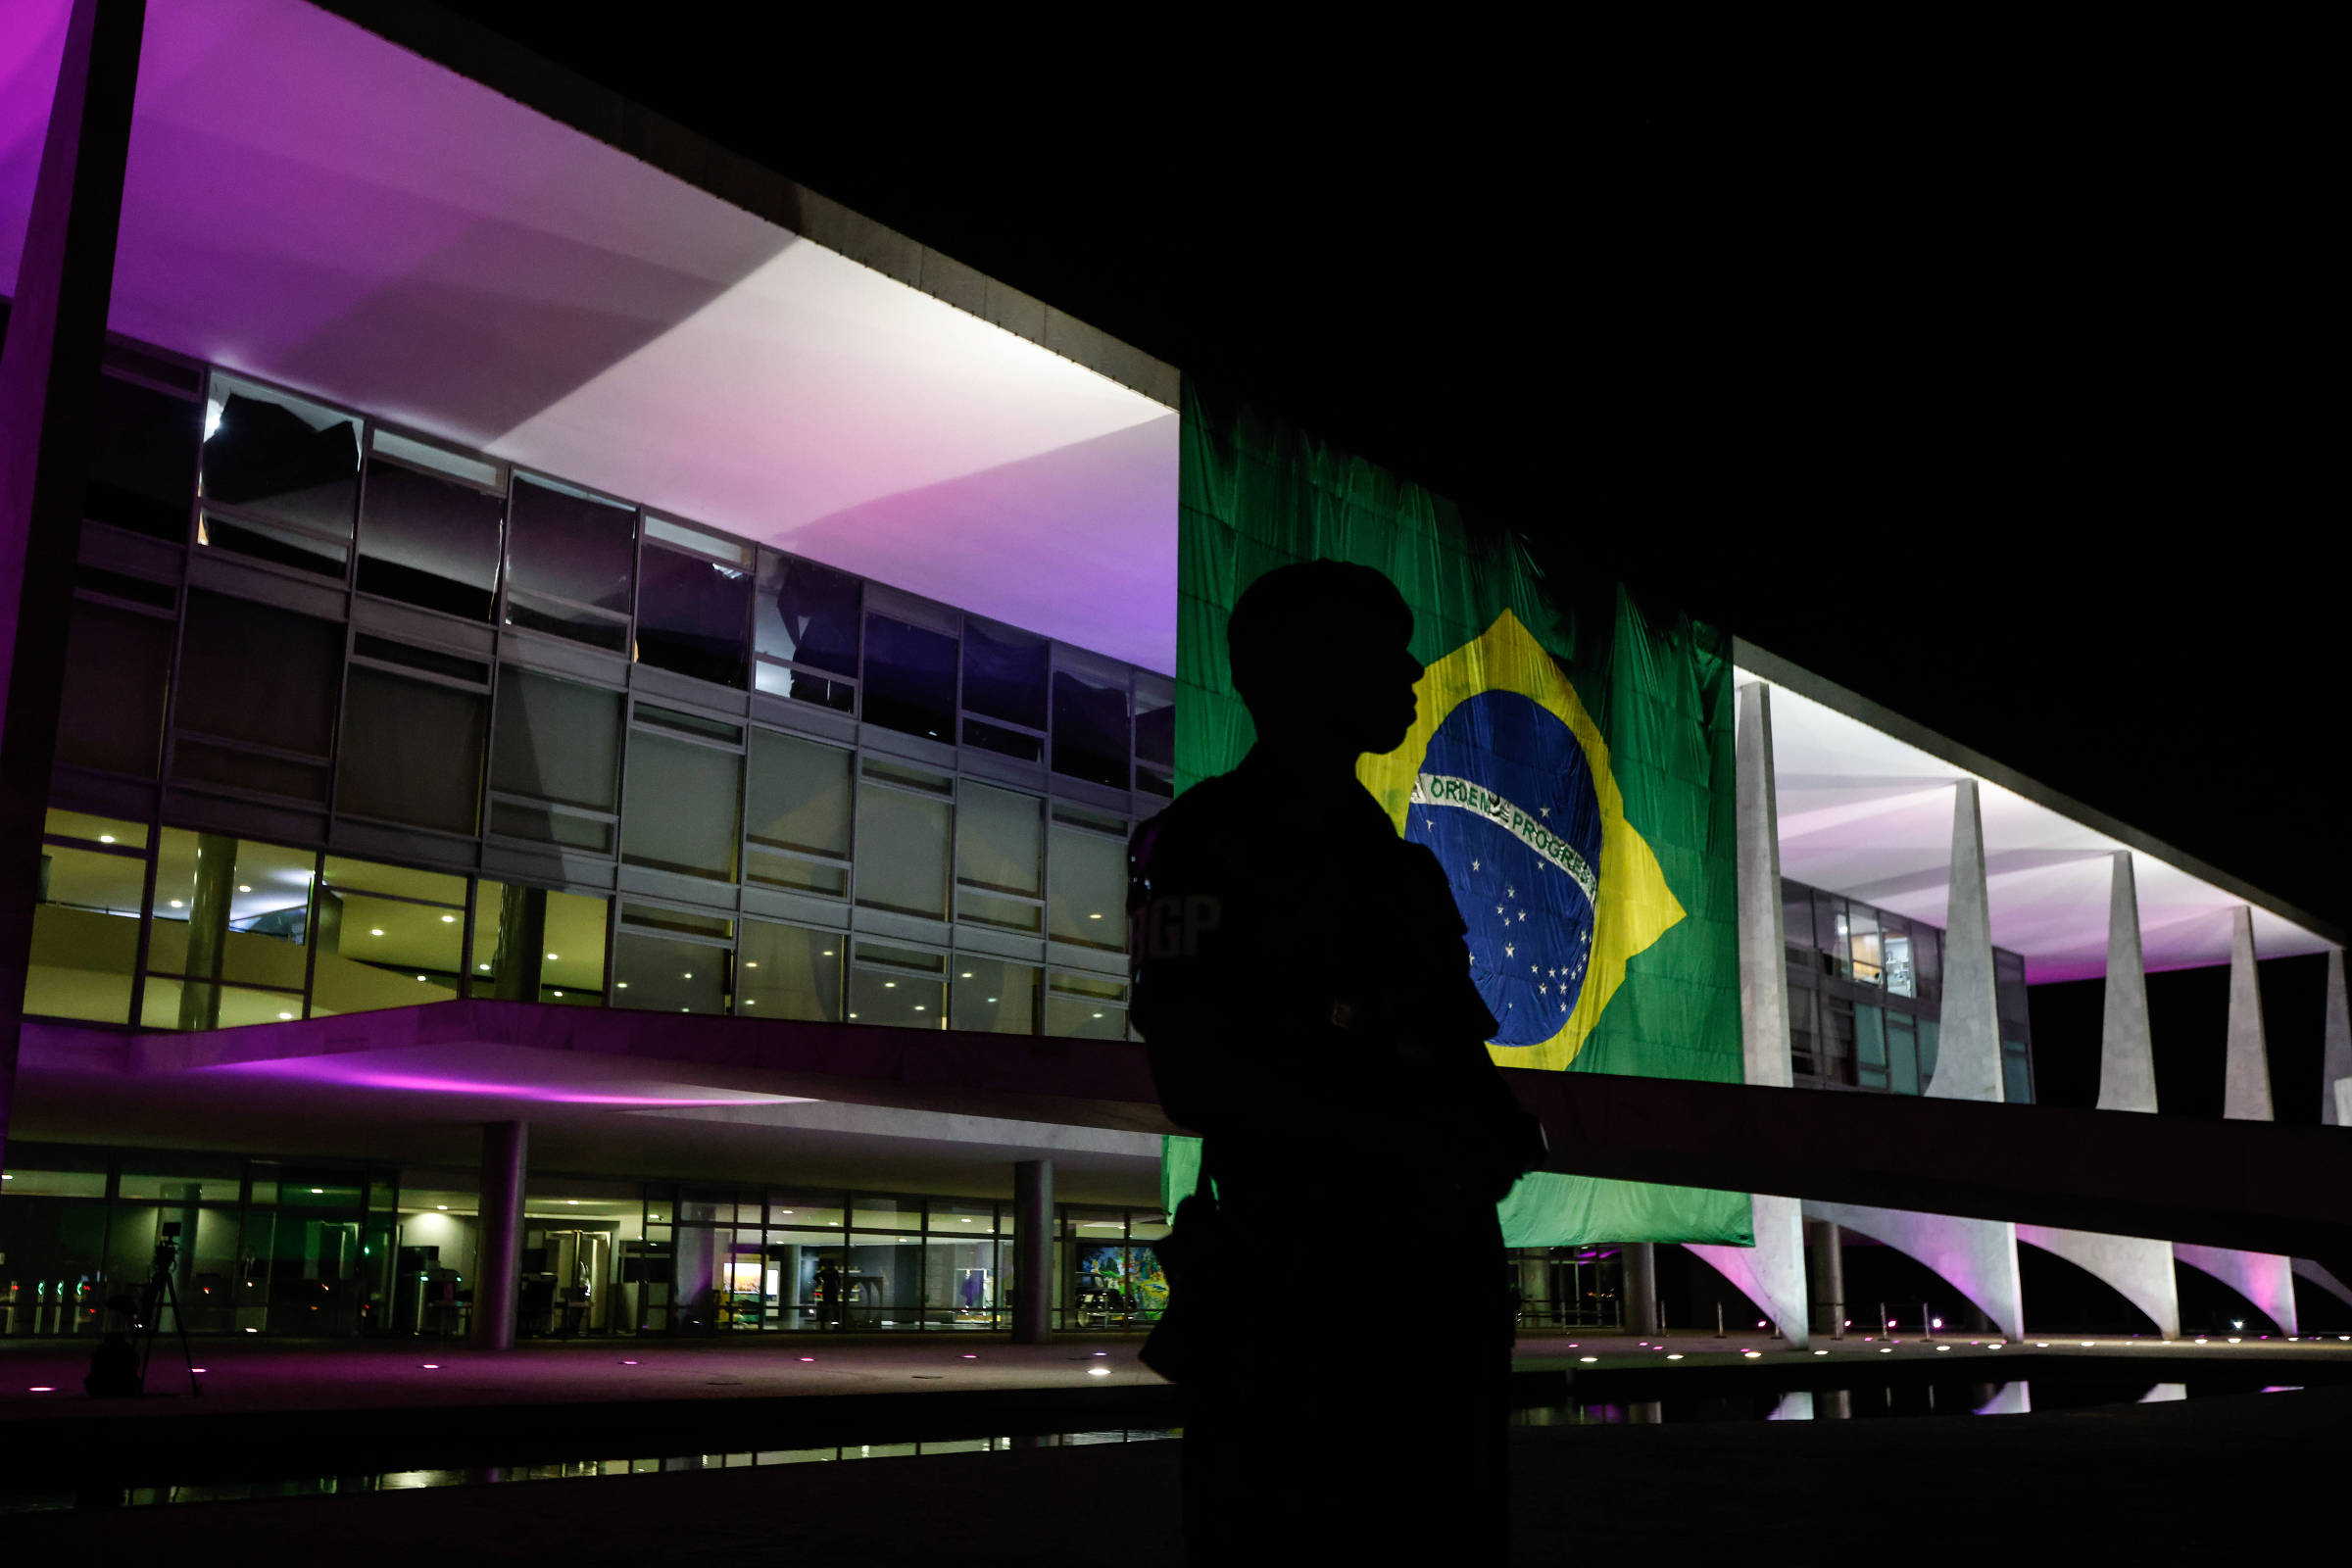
1946, 1397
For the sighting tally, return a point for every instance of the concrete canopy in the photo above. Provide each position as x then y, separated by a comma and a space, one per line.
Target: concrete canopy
310, 204
1866, 812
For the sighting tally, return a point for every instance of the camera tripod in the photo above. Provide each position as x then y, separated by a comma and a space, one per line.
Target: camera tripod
159, 1292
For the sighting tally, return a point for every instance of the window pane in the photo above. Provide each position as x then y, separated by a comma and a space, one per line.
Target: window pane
430, 540
142, 459
1902, 1055
85, 935
1086, 1009
566, 545
903, 852
693, 614
1829, 932
281, 458
275, 543
1089, 729
909, 678
1004, 742
556, 740
225, 910
1927, 1041
59, 823
1869, 1036
1005, 674
388, 937
1927, 958
789, 971
1837, 1040
412, 750
531, 945
1155, 721
2017, 1073
1000, 841
1090, 888
1796, 919
253, 673
808, 614
799, 800
1804, 1049
682, 812
894, 996
669, 974
991, 996
1862, 935
118, 669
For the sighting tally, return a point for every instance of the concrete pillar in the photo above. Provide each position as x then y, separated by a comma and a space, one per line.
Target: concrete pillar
498, 1262
208, 912
1968, 1054
2246, 1081
1978, 1257
1640, 1263
2127, 1050
48, 390
2138, 1268
1032, 1252
522, 951
2336, 1048
2262, 1278
1829, 1279
1772, 1272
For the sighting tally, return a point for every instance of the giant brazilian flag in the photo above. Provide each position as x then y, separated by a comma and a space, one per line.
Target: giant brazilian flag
1571, 769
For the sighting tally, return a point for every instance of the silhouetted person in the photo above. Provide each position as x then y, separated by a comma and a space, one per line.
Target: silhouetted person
828, 1294
1304, 990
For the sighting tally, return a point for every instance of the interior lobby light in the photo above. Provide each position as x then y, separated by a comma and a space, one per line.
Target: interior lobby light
966, 975
176, 904
551, 955
377, 931
481, 966
285, 1015
105, 838
449, 920
444, 1207
244, 887
689, 973
828, 953
749, 963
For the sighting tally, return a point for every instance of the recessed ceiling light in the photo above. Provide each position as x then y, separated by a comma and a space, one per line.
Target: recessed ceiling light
176, 904
449, 920
481, 966
689, 974
377, 931
244, 887
105, 838
750, 963
441, 1205
828, 953
890, 985
285, 1015
625, 985
551, 954
966, 975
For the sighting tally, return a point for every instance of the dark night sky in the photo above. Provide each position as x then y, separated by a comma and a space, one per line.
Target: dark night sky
1989, 399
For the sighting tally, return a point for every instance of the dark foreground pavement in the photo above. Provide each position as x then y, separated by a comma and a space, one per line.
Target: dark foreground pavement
2218, 1475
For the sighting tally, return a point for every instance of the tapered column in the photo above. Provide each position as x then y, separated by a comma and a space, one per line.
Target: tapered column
1772, 1272
1032, 1252
2335, 1049
1978, 1256
498, 1263
1968, 1051
2139, 1268
2265, 1278
2246, 1086
48, 393
2127, 1050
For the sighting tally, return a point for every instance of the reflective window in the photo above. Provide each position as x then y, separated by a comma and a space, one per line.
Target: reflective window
1805, 1041
788, 971
1902, 1053
569, 559
1927, 958
1796, 923
682, 805
806, 631
558, 743
903, 836
1836, 1040
117, 671
909, 678
999, 858
1085, 1008
1870, 1046
142, 459
430, 527
798, 809
254, 675
1896, 934
1156, 734
694, 602
1862, 938
287, 466
1005, 674
670, 973
900, 986
388, 937
1829, 932
1090, 728
993, 997
534, 944
411, 750
1090, 886
85, 924
2017, 1073
230, 923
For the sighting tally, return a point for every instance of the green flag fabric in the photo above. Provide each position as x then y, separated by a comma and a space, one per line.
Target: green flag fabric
1571, 769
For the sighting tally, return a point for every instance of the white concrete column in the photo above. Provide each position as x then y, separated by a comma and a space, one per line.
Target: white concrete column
2127, 1050
1977, 1256
2246, 1084
2262, 1278
1968, 1051
2139, 1268
2336, 1048
1772, 1272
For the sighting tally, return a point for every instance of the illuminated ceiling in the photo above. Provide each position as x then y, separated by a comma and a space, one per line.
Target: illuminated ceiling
310, 204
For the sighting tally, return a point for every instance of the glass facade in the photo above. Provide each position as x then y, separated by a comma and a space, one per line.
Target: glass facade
1866, 993
317, 1249
357, 721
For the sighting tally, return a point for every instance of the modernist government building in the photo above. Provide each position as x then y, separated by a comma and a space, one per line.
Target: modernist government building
603, 703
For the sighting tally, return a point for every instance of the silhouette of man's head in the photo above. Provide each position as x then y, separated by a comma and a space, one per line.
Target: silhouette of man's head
1320, 656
